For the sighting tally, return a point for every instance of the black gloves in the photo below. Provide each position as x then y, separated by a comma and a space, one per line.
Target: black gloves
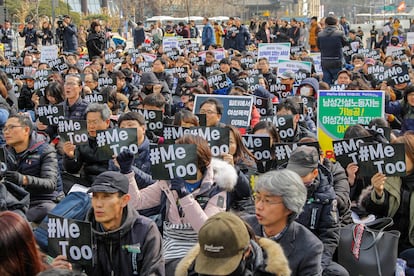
125, 160
178, 185
14, 177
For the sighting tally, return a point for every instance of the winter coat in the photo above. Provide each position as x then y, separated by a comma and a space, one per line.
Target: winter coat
389, 205
139, 36
46, 36
95, 44
301, 247
219, 176
330, 42
25, 98
70, 39
75, 111
135, 248
313, 34
320, 214
242, 39
39, 163
207, 37
30, 37
86, 162
341, 187
267, 258
261, 36
402, 110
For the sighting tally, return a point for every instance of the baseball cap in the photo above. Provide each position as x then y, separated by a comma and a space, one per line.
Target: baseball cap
303, 160
223, 240
288, 74
110, 182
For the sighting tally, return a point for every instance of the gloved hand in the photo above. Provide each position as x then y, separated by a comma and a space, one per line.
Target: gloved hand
14, 177
178, 185
125, 160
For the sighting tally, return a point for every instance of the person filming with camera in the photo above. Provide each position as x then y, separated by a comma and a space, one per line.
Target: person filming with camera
66, 32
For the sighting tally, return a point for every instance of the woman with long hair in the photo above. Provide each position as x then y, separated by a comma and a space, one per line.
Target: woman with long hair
19, 254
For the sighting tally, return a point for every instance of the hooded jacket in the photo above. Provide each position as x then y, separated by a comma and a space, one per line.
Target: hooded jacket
95, 44
266, 258
133, 249
39, 163
320, 213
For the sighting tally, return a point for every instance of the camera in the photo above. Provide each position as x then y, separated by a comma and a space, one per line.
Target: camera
60, 22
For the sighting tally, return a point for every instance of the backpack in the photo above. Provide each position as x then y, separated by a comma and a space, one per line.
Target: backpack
74, 206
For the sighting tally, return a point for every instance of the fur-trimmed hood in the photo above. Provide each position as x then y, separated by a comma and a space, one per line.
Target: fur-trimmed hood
275, 261
225, 175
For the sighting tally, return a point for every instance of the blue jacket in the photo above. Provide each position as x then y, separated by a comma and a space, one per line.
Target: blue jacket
242, 39
30, 37
208, 38
39, 163
70, 39
402, 110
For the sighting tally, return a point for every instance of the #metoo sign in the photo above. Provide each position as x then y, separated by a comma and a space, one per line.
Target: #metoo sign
388, 159
71, 238
172, 161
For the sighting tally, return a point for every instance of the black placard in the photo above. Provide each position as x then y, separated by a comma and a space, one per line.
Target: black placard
284, 125
284, 150
96, 98
218, 81
153, 119
388, 159
346, 150
259, 145
74, 131
58, 64
174, 161
115, 140
71, 238
50, 114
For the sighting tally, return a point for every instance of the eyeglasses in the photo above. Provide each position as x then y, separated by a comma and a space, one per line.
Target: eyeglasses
10, 127
265, 200
71, 84
93, 122
209, 112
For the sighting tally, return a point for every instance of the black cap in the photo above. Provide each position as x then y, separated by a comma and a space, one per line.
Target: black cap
110, 182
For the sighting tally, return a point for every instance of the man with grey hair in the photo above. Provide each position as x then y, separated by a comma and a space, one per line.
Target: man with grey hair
279, 198
83, 158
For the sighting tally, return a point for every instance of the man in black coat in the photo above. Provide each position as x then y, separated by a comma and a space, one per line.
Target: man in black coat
330, 42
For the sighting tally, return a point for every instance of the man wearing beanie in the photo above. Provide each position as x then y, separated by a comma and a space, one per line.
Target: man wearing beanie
125, 243
330, 42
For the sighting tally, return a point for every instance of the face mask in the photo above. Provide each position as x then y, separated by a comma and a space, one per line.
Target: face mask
306, 91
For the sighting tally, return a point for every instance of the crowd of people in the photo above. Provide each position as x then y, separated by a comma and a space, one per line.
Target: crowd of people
240, 215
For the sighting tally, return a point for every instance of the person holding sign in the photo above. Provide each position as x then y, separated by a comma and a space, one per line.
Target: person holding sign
187, 204
31, 163
83, 158
142, 163
126, 243
393, 196
290, 107
213, 109
403, 109
19, 252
